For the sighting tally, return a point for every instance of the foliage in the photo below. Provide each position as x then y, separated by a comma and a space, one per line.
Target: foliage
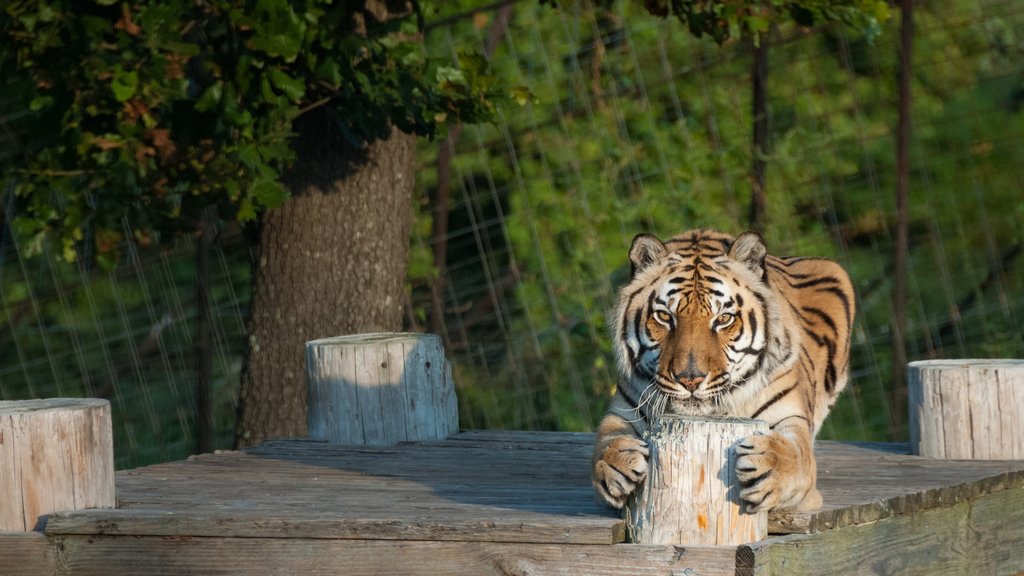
640, 128
725, 20
146, 111
126, 336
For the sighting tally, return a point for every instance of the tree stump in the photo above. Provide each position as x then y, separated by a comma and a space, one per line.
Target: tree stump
56, 455
967, 409
380, 389
691, 494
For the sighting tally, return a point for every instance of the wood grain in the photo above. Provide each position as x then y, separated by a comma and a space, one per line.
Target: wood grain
104, 555
55, 454
980, 535
380, 389
493, 502
691, 494
26, 554
967, 409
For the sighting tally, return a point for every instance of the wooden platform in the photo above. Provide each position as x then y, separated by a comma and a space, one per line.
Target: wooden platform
511, 503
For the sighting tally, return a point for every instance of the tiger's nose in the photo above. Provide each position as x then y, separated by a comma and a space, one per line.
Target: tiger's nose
690, 379
691, 376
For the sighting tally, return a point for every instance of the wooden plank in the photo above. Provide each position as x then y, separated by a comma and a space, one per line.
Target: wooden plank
479, 486
154, 556
981, 535
862, 484
488, 525
26, 554
499, 471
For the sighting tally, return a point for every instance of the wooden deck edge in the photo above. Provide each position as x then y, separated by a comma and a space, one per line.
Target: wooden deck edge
164, 523
980, 534
159, 556
813, 522
26, 554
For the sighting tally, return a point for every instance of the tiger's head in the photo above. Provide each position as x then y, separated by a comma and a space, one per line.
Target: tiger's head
696, 322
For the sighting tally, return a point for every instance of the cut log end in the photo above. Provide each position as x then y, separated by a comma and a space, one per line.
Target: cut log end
967, 409
691, 493
55, 455
380, 389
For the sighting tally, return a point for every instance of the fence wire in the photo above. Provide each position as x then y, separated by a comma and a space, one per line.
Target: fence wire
636, 127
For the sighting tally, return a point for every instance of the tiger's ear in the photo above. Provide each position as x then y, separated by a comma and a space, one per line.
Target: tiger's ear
749, 250
645, 250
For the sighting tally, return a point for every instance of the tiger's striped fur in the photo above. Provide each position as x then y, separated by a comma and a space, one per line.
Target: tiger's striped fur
711, 325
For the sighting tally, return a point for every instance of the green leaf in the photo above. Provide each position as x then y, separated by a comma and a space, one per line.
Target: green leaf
124, 85
211, 97
269, 193
246, 210
329, 71
450, 75
278, 31
39, 103
292, 88
522, 95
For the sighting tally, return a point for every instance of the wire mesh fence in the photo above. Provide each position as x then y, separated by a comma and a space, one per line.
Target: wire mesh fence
523, 225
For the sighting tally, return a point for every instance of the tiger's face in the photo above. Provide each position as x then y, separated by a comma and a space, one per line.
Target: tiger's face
694, 321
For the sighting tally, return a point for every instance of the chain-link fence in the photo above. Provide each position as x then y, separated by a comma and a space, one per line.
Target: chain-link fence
523, 225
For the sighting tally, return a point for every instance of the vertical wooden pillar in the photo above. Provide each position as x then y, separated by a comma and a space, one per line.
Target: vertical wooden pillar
691, 493
55, 455
967, 409
380, 389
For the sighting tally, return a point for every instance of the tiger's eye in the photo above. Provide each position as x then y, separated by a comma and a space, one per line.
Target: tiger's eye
663, 317
725, 320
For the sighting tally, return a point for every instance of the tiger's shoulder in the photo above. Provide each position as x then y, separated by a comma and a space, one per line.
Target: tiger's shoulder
817, 284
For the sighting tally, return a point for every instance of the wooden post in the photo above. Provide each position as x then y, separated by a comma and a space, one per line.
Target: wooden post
55, 455
967, 409
380, 389
691, 494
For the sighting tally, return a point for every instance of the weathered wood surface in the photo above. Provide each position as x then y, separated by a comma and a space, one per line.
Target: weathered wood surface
506, 503
487, 486
380, 389
967, 409
26, 554
55, 454
691, 494
982, 534
185, 556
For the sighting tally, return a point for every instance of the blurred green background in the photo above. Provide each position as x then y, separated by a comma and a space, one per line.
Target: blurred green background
636, 127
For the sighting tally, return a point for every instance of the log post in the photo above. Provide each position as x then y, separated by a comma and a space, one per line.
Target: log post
691, 494
967, 409
380, 389
55, 455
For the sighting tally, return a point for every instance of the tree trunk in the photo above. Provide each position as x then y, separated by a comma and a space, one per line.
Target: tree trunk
330, 261
202, 346
759, 105
901, 256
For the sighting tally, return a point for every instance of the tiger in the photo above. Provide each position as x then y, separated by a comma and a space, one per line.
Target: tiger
712, 325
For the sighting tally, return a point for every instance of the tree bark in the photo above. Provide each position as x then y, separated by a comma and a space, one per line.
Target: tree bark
330, 261
759, 105
901, 256
202, 347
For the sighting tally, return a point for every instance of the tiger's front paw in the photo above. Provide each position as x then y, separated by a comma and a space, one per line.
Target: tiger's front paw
773, 476
620, 469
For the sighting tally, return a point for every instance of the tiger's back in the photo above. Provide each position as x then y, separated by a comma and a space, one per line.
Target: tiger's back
820, 298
